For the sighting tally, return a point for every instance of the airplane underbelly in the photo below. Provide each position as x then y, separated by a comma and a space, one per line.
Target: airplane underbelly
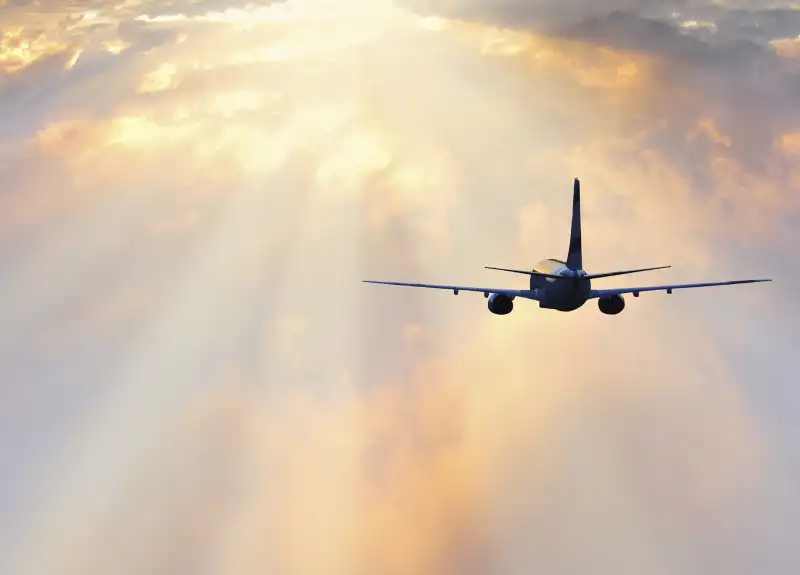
566, 294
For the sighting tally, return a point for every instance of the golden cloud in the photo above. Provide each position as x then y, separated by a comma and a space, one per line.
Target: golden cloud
787, 48
426, 474
21, 48
228, 198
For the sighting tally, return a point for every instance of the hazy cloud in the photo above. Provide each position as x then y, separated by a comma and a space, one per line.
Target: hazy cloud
193, 378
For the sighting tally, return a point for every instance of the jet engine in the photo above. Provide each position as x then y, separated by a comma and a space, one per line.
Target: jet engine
611, 304
500, 304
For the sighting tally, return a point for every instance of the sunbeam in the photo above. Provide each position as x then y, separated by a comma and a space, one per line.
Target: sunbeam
195, 380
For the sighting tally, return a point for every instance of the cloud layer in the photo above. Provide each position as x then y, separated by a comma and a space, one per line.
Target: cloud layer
194, 380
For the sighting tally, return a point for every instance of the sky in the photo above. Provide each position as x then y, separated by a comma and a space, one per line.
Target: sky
193, 378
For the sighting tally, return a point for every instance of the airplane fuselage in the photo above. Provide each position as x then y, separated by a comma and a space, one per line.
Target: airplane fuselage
567, 294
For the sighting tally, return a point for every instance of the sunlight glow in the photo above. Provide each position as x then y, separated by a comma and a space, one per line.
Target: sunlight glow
137, 131
116, 46
356, 157
788, 48
224, 392
790, 143
161, 79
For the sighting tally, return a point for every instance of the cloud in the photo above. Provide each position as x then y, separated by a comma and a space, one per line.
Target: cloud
752, 19
195, 380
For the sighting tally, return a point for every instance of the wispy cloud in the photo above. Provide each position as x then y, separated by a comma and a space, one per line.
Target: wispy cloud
194, 380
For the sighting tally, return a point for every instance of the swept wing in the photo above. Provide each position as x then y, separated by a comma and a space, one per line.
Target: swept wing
667, 288
527, 294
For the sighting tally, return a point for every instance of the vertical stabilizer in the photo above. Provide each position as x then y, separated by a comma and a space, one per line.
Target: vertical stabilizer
575, 253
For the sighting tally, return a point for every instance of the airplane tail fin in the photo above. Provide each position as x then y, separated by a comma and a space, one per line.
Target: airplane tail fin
575, 252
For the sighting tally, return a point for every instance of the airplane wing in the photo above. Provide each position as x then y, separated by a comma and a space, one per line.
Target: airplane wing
667, 288
527, 294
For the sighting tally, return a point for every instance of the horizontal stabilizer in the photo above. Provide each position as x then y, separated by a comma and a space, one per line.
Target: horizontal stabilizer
625, 272
525, 272
588, 276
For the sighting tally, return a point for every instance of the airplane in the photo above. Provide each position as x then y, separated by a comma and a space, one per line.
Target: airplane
564, 285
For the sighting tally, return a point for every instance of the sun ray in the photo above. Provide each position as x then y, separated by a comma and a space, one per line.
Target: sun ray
194, 379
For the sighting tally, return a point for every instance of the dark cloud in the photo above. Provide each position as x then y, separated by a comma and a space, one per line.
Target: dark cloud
747, 89
201, 7
748, 19
756, 23
144, 36
732, 76
535, 15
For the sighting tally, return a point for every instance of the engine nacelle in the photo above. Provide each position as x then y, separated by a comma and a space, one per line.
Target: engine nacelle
500, 304
611, 304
